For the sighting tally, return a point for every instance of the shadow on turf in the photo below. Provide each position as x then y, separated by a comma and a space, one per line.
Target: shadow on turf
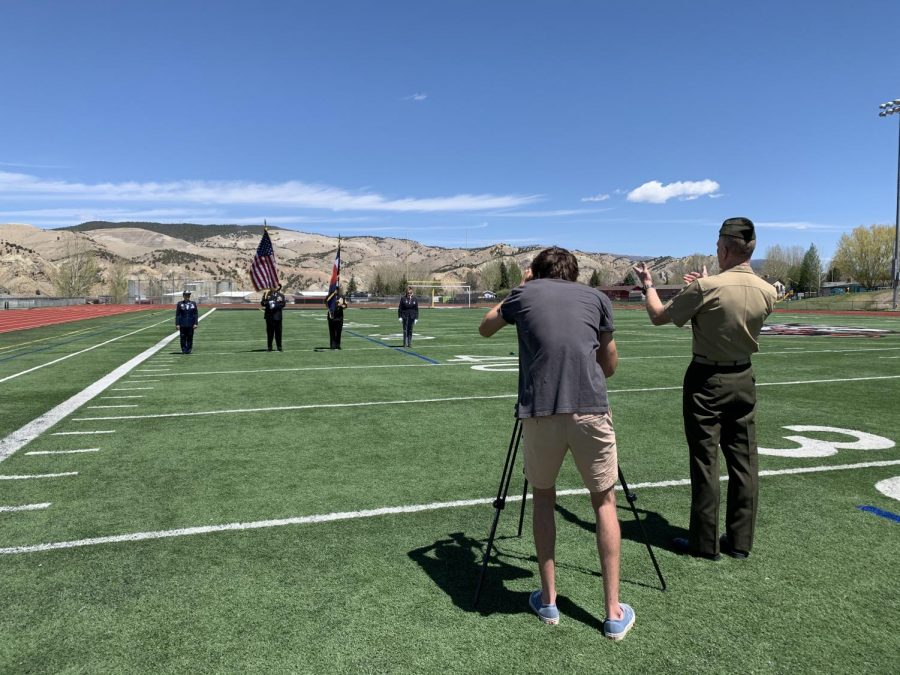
659, 531
454, 564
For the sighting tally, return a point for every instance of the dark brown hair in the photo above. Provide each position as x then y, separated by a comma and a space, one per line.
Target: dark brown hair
555, 263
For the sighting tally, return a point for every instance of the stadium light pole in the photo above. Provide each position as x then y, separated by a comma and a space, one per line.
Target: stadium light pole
886, 110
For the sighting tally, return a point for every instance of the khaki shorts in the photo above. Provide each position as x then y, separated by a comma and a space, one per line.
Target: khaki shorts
591, 439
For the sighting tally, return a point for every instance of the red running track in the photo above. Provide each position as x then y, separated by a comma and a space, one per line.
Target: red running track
22, 319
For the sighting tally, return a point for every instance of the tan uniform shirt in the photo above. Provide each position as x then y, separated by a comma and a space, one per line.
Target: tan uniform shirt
726, 312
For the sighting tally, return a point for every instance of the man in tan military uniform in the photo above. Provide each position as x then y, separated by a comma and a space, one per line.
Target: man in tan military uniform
726, 311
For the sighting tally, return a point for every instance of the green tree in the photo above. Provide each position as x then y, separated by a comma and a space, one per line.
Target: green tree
515, 275
630, 279
490, 276
595, 280
865, 254
504, 275
351, 285
810, 275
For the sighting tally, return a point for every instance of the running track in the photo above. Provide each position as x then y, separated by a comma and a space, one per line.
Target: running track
21, 319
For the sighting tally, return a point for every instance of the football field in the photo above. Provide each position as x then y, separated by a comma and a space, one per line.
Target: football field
316, 510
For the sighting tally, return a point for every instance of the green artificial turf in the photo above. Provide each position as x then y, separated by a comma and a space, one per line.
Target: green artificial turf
244, 435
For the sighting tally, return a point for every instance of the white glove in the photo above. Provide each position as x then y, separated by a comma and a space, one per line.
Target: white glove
415, 321
399, 318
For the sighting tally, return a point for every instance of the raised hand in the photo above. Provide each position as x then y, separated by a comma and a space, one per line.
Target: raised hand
691, 277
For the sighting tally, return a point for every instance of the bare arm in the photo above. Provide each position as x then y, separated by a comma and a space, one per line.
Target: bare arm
492, 321
607, 354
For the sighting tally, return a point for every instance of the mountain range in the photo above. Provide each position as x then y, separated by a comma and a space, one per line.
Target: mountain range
186, 251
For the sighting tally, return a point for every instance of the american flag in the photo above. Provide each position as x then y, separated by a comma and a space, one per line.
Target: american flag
335, 282
262, 271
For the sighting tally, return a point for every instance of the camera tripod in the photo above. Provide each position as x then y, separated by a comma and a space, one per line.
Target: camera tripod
500, 504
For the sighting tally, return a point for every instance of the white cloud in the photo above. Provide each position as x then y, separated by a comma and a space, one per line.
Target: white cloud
418, 96
655, 192
292, 194
595, 198
547, 214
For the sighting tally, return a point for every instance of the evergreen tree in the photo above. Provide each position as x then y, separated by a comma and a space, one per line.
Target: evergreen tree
629, 279
351, 287
595, 279
515, 275
810, 272
504, 276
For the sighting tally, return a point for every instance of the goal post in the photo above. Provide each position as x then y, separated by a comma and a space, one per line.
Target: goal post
434, 287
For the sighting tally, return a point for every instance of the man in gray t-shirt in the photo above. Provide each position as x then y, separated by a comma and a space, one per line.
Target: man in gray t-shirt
560, 323
566, 352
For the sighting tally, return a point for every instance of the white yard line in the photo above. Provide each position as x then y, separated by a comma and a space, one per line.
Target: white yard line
82, 433
311, 406
684, 357
25, 507
61, 452
69, 356
131, 396
131, 388
303, 369
385, 511
118, 405
363, 404
36, 427
39, 475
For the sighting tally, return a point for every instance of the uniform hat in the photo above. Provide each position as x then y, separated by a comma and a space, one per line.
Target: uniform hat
742, 228
186, 293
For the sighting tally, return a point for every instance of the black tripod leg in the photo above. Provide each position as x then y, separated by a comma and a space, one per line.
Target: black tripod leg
499, 502
630, 496
522, 510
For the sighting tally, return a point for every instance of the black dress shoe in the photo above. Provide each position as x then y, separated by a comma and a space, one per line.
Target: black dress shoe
726, 548
682, 546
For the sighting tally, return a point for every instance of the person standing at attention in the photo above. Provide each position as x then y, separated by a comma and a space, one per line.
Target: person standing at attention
272, 303
727, 312
336, 322
408, 312
186, 321
566, 352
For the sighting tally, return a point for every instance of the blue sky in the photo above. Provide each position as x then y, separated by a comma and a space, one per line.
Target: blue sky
631, 127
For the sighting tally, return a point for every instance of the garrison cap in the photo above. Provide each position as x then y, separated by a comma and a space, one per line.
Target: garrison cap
742, 228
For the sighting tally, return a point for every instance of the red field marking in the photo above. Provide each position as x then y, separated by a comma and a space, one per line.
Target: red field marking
23, 319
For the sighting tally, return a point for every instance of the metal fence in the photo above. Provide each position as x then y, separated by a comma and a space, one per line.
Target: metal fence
31, 302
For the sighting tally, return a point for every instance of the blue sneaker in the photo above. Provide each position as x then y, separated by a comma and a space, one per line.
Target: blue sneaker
546, 613
616, 629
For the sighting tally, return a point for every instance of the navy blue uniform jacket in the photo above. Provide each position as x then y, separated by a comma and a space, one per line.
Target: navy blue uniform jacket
409, 308
186, 314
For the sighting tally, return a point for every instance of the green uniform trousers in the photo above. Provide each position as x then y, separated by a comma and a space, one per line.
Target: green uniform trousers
719, 407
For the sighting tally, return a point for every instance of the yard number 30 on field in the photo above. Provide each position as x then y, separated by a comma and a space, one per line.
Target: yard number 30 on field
814, 447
